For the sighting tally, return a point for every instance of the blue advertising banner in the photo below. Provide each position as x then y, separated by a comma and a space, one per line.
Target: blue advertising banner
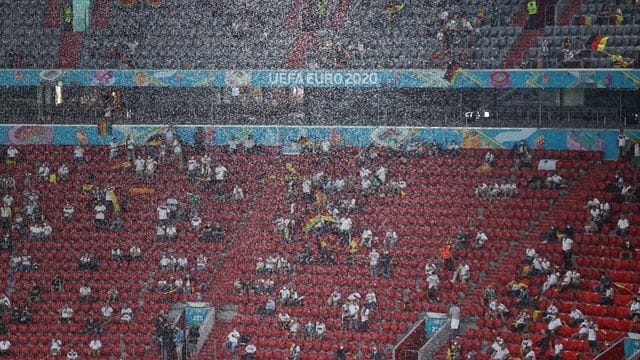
433, 325
631, 347
473, 138
194, 316
419, 78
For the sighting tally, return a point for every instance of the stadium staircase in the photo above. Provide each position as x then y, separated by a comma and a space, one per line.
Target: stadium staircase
518, 53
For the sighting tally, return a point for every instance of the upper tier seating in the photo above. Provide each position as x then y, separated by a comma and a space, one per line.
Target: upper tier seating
593, 18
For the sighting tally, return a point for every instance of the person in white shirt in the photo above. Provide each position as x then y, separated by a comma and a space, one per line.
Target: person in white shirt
67, 212
66, 313
575, 317
481, 239
567, 255
55, 348
321, 330
462, 273
63, 173
628, 192
172, 232
285, 294
497, 310
371, 301
238, 193
367, 236
554, 323
138, 166
126, 314
95, 347
381, 174
177, 150
429, 268
391, 238
558, 348
592, 337
43, 172
107, 312
84, 293
220, 172
72, 355
552, 281
345, 224
502, 353
35, 232
150, 168
135, 253
113, 149
571, 279
5, 347
530, 255
182, 263
100, 221
554, 181
12, 154
306, 190
432, 287
622, 142
334, 298
201, 262
374, 256
78, 154
232, 341
622, 226
163, 213
366, 186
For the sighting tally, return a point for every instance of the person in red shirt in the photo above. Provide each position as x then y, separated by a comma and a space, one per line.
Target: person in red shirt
446, 256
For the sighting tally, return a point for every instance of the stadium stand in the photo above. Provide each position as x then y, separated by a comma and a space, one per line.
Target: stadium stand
567, 45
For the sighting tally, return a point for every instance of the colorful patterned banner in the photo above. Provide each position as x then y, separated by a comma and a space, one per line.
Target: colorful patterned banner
543, 79
475, 138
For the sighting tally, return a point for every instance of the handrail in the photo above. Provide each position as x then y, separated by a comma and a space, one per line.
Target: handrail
418, 324
604, 354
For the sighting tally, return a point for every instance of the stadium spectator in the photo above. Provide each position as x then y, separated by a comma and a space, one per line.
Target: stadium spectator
575, 317
622, 227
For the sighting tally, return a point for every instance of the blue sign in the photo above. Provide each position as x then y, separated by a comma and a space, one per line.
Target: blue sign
433, 325
417, 78
195, 316
631, 346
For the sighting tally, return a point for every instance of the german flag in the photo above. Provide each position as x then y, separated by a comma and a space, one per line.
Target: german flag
597, 42
452, 72
104, 128
617, 19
